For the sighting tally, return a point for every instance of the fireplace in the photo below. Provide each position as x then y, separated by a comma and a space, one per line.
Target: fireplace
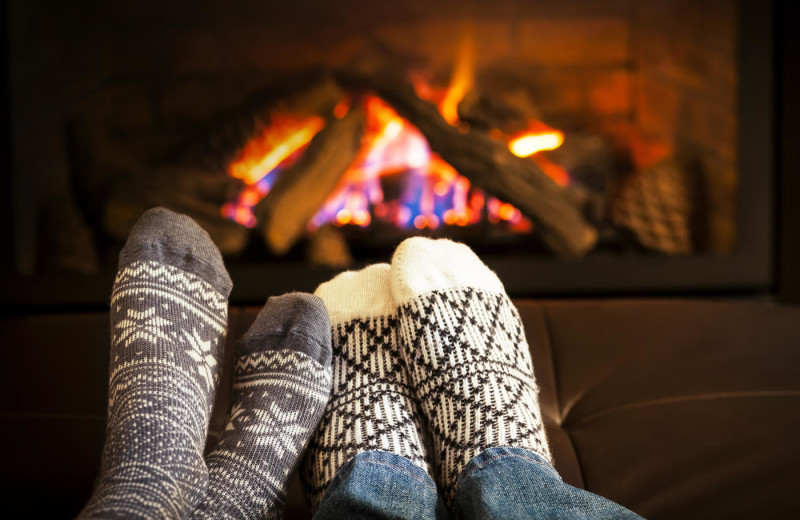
657, 175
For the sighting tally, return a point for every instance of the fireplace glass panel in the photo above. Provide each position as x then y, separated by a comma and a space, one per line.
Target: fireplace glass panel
322, 133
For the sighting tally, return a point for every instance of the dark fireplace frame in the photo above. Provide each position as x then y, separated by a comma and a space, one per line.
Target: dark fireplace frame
750, 270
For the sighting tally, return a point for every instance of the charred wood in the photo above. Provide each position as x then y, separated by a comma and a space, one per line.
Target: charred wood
303, 188
486, 163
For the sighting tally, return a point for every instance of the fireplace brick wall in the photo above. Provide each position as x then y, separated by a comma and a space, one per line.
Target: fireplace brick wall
686, 101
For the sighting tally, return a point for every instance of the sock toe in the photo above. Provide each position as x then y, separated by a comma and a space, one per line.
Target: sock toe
358, 294
297, 321
163, 236
421, 265
468, 358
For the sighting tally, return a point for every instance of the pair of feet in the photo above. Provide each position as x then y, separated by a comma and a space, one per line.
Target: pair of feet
425, 358
169, 311
430, 362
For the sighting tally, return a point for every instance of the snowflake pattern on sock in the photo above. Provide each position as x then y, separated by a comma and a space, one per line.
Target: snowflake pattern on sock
279, 397
168, 327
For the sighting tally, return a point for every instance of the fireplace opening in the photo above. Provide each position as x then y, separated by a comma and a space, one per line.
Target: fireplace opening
605, 145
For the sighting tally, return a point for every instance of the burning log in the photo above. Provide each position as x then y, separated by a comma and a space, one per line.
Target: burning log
486, 163
301, 190
509, 110
313, 96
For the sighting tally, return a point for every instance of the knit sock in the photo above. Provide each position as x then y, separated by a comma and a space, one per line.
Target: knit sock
468, 358
282, 381
168, 323
371, 406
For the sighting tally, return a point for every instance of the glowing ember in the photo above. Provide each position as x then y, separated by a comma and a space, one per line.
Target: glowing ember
529, 144
554, 171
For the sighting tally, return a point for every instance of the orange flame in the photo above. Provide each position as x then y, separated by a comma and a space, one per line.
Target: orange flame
280, 140
435, 193
463, 76
540, 138
529, 144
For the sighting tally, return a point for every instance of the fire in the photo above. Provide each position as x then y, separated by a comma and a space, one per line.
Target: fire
529, 144
539, 138
286, 135
390, 146
462, 79
280, 139
433, 192
394, 153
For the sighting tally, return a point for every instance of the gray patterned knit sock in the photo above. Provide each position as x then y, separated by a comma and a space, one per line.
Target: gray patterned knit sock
168, 322
371, 406
282, 382
467, 354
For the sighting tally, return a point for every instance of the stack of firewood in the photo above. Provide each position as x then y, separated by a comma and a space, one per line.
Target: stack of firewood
565, 218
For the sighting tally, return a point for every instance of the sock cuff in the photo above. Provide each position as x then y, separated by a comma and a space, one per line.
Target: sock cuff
163, 236
358, 294
422, 265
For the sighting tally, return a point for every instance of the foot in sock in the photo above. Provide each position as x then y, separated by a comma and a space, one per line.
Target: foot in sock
168, 323
371, 407
467, 355
282, 382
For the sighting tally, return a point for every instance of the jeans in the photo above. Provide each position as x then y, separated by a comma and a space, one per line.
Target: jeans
502, 483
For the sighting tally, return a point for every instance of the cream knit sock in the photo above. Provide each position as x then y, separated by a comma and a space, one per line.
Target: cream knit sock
371, 406
467, 355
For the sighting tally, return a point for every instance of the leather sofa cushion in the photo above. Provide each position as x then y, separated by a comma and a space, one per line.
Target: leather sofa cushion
675, 409
681, 409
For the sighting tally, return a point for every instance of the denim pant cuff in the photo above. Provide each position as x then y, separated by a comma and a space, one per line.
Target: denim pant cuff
507, 483
381, 484
514, 483
493, 455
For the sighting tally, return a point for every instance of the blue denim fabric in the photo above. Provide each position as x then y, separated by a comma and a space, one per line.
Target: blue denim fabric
500, 483
513, 483
379, 484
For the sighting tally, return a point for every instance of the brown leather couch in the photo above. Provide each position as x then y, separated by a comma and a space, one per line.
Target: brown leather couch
675, 409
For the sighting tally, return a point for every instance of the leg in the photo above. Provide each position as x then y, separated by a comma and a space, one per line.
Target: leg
371, 410
168, 319
281, 385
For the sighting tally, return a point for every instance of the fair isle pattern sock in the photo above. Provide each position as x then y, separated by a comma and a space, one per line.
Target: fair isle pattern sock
282, 382
467, 355
371, 406
168, 323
